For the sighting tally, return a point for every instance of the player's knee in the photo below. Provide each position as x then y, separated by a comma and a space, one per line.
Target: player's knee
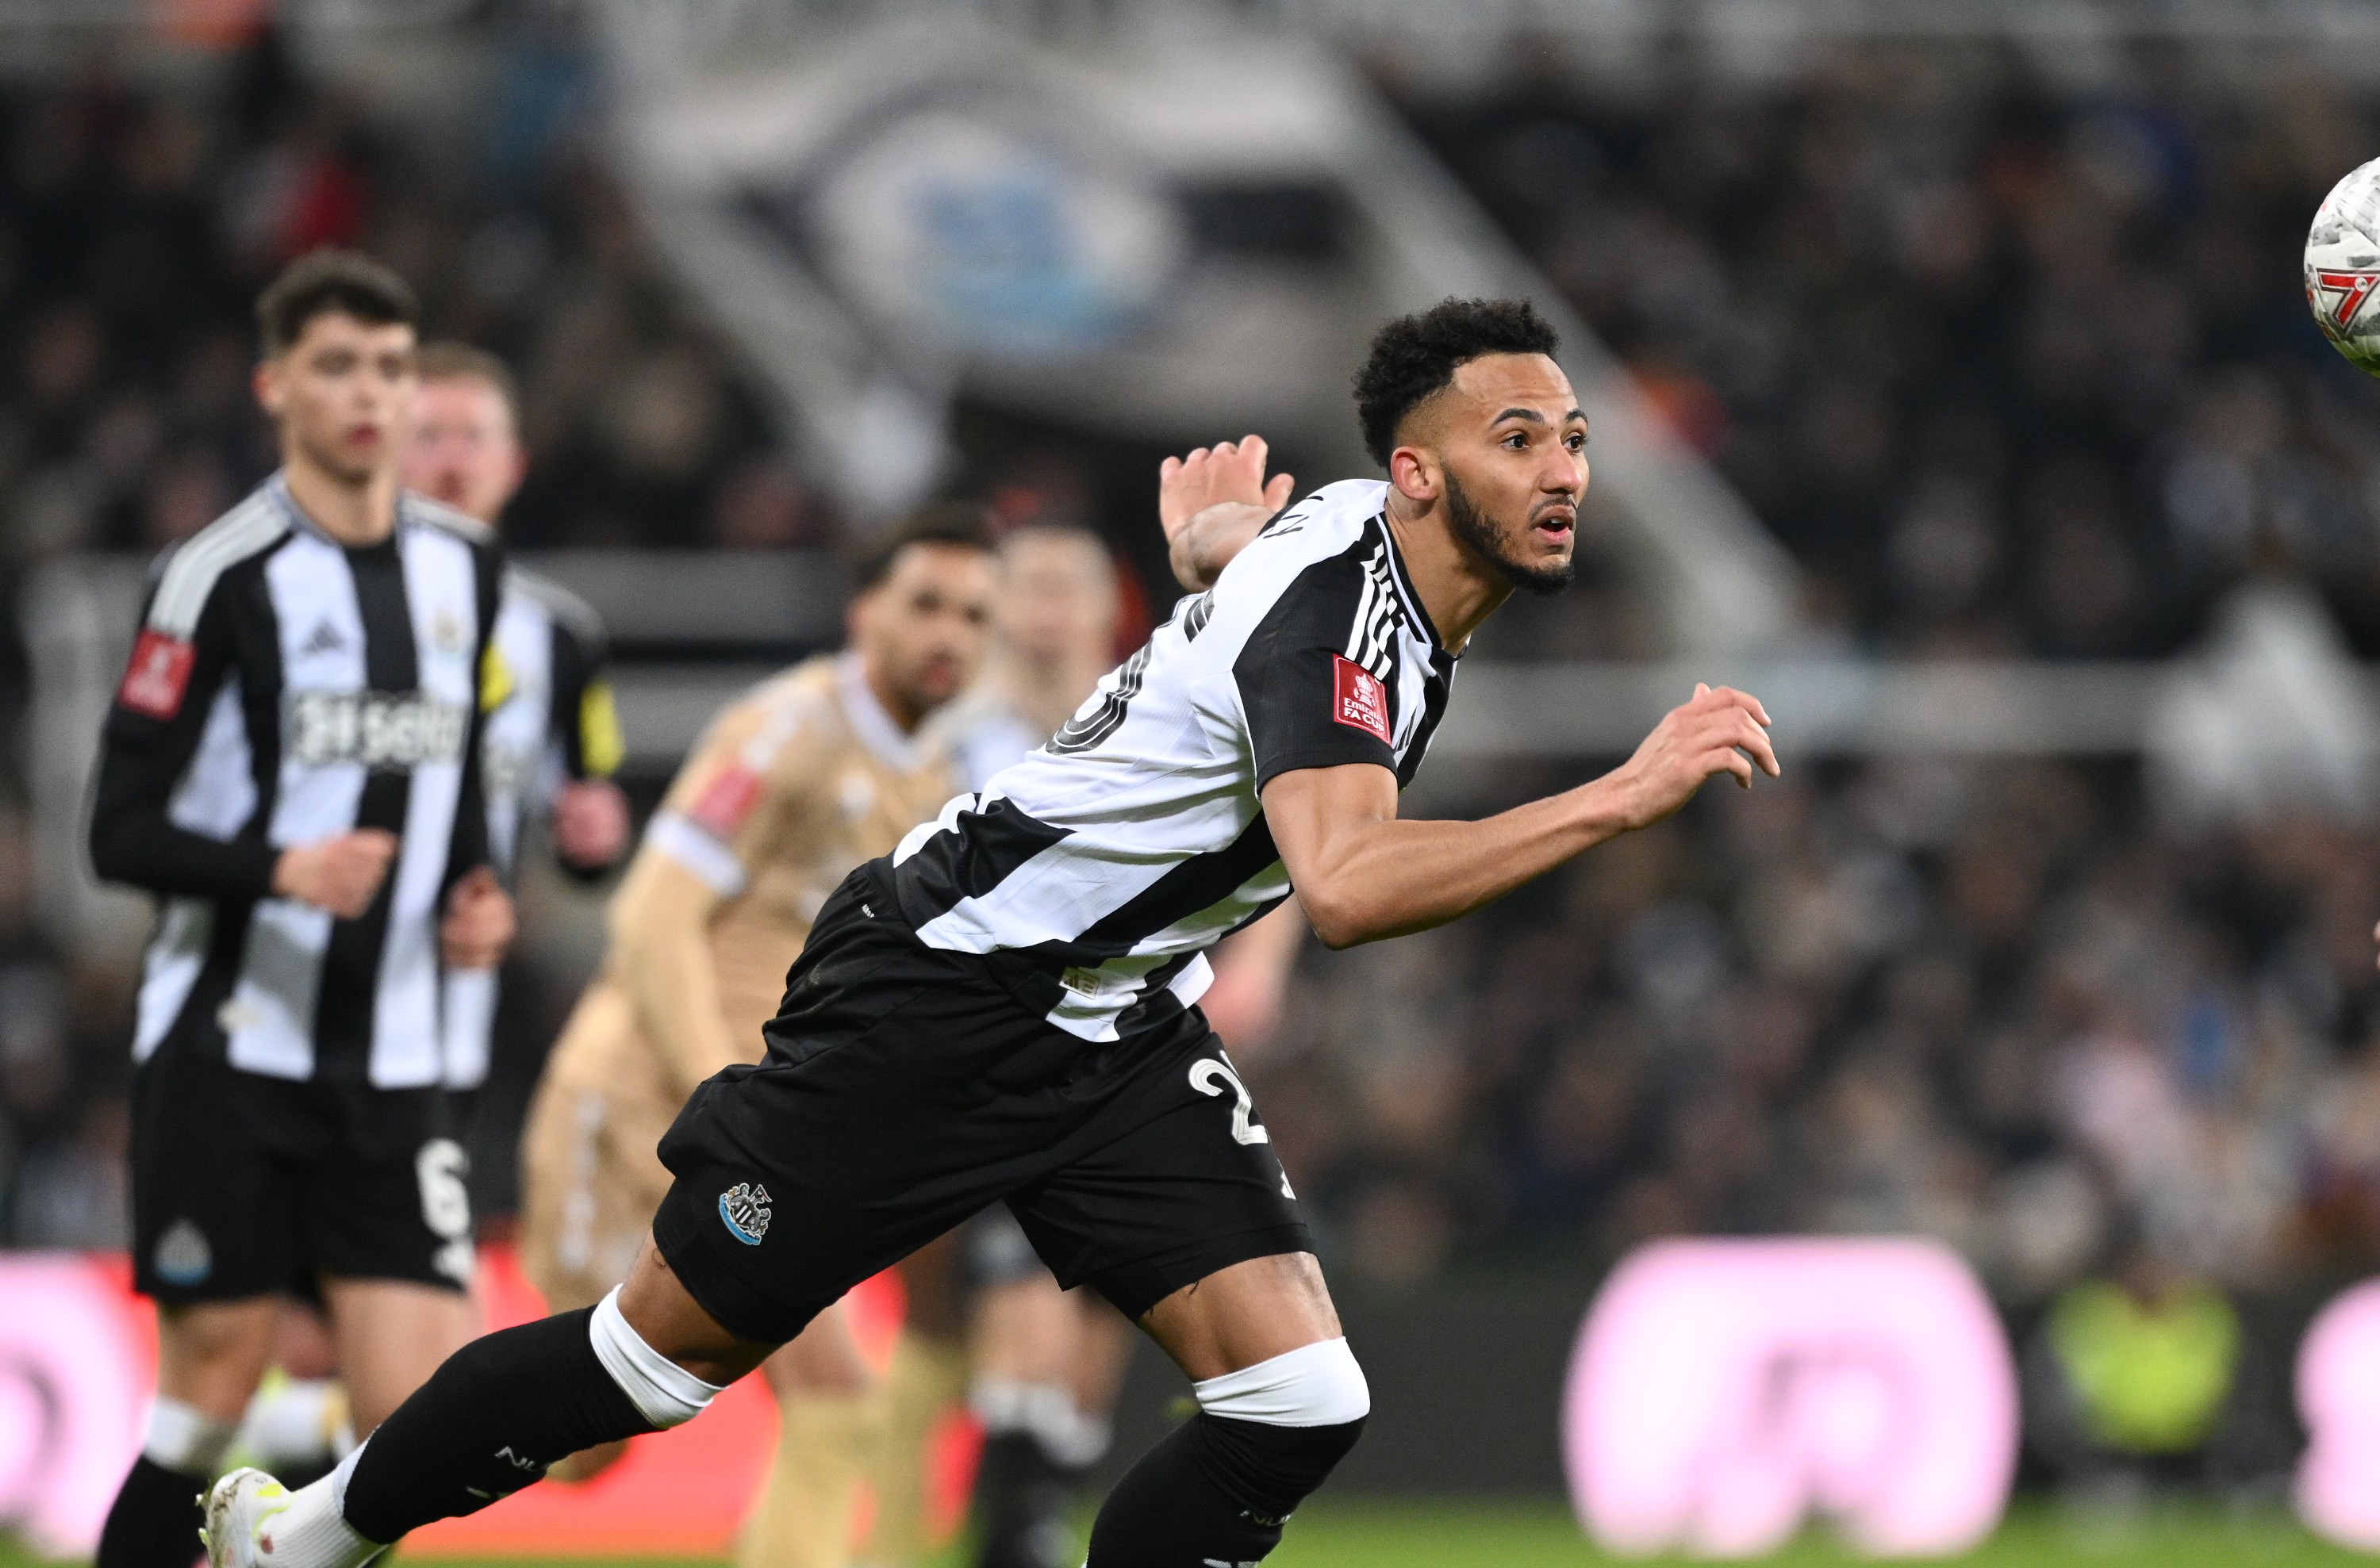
1273, 1432
663, 1393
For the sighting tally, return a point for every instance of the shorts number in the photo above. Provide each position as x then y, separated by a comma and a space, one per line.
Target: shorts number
1209, 1076
445, 1202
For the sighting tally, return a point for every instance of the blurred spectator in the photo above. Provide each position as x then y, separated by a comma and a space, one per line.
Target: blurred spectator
2011, 366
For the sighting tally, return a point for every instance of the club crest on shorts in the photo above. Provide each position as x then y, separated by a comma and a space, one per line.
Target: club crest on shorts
183, 1256
745, 1208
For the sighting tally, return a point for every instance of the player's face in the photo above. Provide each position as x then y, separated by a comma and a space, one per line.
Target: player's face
343, 395
464, 451
1057, 597
1509, 448
923, 628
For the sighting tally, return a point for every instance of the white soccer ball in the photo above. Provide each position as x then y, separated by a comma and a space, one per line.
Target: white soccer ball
2342, 267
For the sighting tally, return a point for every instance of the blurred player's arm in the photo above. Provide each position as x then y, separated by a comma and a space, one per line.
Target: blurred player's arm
1212, 502
1252, 978
477, 928
588, 814
1363, 873
714, 825
161, 711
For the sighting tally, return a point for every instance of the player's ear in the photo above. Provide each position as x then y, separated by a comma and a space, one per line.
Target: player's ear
1413, 473
265, 381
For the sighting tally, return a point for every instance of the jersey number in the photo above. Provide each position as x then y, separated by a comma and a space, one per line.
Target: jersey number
1209, 1076
440, 1166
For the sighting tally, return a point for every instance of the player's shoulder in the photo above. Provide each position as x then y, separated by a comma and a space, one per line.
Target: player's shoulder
798, 700
437, 514
187, 574
572, 615
1305, 545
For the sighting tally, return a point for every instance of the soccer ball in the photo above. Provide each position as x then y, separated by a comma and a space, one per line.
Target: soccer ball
2342, 267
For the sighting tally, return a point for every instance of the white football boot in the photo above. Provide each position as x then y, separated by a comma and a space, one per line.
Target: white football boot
240, 1510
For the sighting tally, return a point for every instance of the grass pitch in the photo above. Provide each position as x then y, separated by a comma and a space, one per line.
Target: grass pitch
1354, 1533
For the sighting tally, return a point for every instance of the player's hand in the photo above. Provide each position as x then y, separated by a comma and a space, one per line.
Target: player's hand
591, 822
479, 923
1211, 503
342, 873
1719, 730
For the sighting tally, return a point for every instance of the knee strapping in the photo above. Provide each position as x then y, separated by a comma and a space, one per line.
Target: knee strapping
663, 1393
1315, 1386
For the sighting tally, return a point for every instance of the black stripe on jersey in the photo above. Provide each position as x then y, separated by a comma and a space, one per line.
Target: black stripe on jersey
954, 866
351, 976
1198, 883
1157, 1004
255, 626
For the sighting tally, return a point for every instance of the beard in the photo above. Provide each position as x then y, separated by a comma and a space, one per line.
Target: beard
1476, 529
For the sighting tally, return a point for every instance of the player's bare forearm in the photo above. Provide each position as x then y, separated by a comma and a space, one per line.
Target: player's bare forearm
1362, 874
661, 954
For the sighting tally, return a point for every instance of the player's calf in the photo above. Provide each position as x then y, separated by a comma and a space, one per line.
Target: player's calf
1219, 1490
485, 1425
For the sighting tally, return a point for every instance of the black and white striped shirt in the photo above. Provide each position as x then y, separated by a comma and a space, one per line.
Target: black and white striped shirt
550, 720
285, 687
1102, 866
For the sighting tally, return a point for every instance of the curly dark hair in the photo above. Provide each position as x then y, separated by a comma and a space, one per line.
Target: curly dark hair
1415, 355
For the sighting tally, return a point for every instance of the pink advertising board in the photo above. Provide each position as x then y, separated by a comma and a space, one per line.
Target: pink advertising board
2338, 1399
1724, 1391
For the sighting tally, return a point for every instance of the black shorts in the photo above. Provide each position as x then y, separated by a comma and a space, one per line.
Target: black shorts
906, 1089
243, 1184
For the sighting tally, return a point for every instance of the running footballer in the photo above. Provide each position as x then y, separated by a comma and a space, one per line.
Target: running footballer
1006, 1008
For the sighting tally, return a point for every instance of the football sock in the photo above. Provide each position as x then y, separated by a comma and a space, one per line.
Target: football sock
926, 1378
295, 1423
505, 1407
1219, 1488
311, 1530
1217, 1491
1038, 1451
155, 1521
825, 1443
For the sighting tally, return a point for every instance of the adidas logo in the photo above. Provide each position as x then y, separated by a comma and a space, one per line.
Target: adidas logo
324, 639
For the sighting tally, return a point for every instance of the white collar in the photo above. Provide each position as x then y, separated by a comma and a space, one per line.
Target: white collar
868, 720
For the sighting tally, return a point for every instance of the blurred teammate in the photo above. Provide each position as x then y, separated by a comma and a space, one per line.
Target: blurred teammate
552, 737
1004, 1008
813, 773
292, 765
548, 745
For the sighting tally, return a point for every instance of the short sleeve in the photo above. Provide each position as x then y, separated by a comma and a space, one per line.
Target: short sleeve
1309, 704
722, 808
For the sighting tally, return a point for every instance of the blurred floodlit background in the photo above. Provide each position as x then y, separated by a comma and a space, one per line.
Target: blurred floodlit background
1953, 388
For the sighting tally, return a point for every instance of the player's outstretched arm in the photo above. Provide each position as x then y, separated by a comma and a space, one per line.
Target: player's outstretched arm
1362, 874
1212, 502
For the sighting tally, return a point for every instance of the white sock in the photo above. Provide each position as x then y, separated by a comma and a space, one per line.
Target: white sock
1046, 1411
298, 1423
182, 1439
313, 1531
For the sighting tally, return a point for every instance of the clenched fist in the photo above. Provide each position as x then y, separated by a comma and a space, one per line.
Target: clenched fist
1719, 730
479, 923
342, 873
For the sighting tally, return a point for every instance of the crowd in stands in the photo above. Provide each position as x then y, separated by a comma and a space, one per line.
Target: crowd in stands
2013, 367
2013, 371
